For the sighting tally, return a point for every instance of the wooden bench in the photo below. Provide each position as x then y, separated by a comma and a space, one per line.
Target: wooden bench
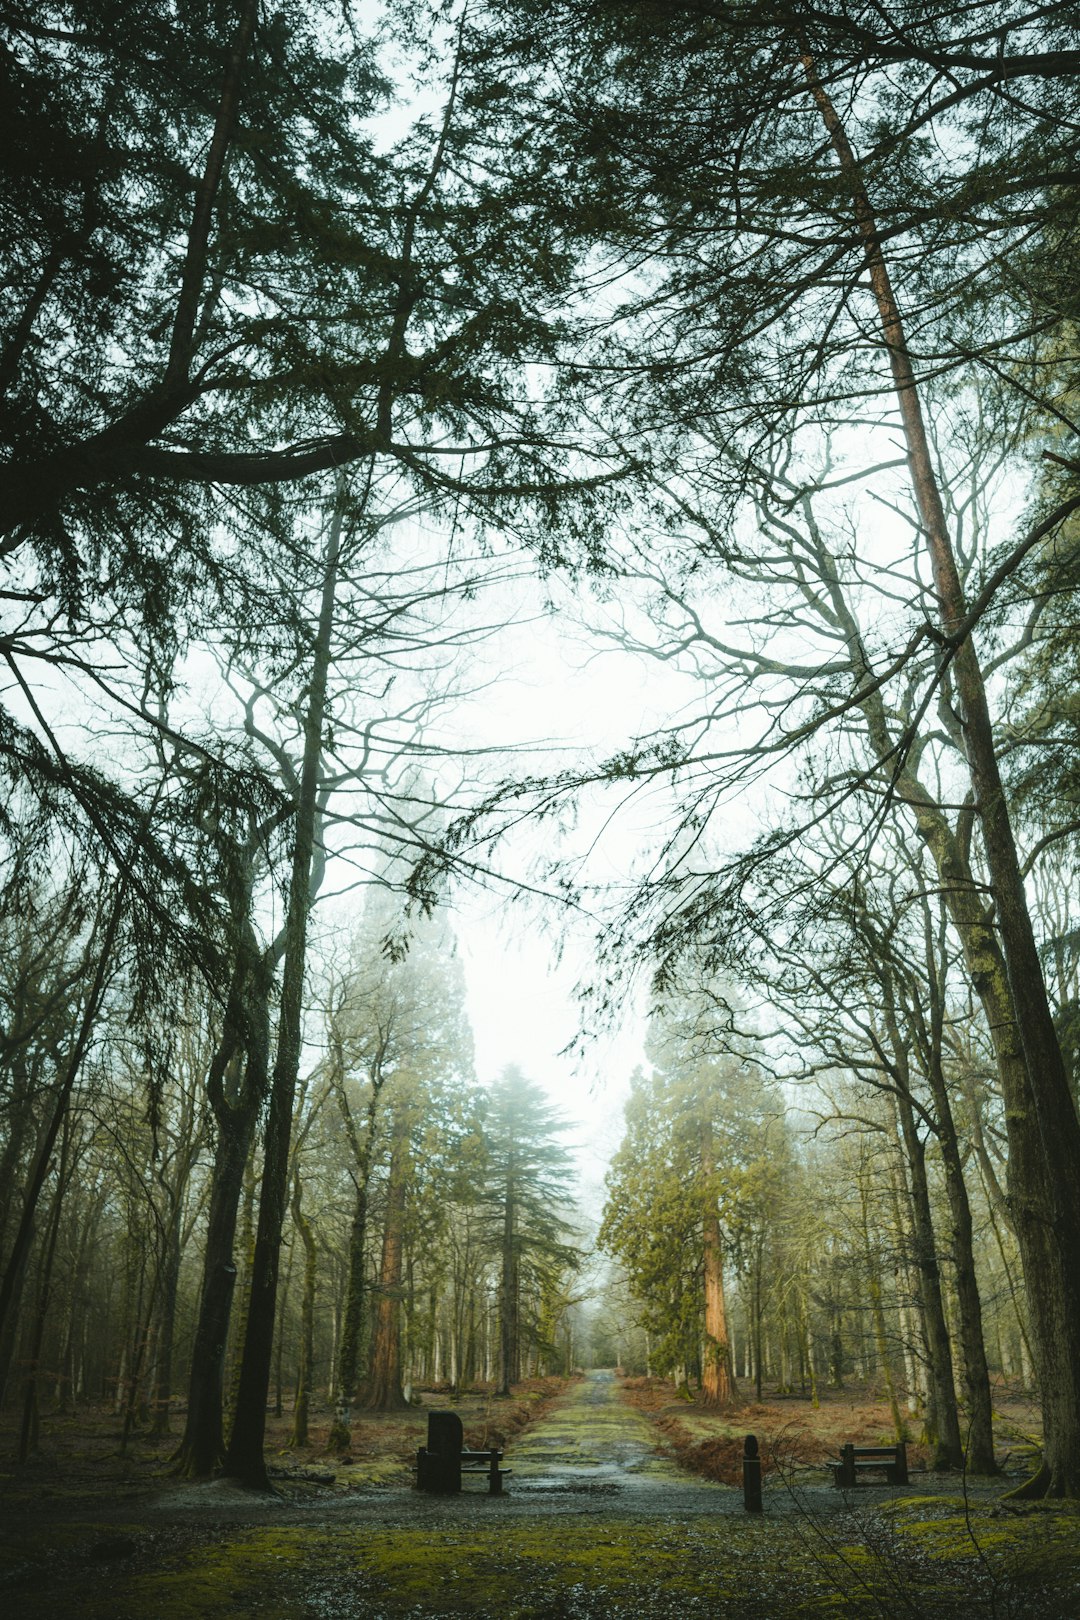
441, 1463
855, 1461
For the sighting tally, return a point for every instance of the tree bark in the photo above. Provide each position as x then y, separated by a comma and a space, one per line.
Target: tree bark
244, 1460
881, 1343
362, 1148
28, 1428
508, 1313
944, 1428
980, 1414
383, 1391
717, 1384
203, 1446
307, 1318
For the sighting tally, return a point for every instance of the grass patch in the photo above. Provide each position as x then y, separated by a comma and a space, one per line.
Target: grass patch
1023, 1543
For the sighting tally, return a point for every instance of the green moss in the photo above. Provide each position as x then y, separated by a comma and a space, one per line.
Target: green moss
1015, 1546
251, 1569
373, 1470
629, 1568
491, 1563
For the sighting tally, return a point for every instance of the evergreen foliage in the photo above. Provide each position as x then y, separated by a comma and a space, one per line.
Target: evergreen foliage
527, 1195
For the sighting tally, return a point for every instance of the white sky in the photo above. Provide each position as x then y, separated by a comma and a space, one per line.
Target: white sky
525, 962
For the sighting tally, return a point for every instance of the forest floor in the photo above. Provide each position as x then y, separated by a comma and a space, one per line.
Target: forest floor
622, 1502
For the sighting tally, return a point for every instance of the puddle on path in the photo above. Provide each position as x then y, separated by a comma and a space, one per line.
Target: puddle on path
591, 1444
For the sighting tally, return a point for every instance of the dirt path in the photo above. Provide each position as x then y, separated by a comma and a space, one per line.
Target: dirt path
594, 1445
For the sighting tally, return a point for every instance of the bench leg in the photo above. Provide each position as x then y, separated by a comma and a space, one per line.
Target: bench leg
495, 1483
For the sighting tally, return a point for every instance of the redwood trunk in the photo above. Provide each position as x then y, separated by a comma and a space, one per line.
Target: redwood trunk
717, 1384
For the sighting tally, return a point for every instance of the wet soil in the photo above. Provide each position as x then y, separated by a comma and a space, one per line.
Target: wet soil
599, 1520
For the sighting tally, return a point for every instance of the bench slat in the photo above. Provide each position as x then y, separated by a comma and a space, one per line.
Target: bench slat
853, 1460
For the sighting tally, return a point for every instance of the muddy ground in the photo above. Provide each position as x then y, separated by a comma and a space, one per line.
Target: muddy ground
610, 1511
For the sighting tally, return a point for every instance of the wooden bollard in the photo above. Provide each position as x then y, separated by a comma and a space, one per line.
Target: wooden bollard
751, 1475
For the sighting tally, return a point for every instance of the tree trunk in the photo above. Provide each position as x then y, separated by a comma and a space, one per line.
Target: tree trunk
236, 1085
28, 1428
279, 1351
1041, 1117
943, 1425
202, 1449
881, 1343
808, 1341
135, 1410
166, 1323
340, 1437
348, 1364
759, 1314
1014, 1296
717, 1384
980, 1417
776, 1348
508, 1312
307, 1319
11, 1330
244, 1459
383, 1392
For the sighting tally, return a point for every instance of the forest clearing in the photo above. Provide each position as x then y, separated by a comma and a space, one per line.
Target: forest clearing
539, 807
601, 1519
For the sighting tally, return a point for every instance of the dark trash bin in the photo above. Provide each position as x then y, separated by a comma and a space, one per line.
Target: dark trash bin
438, 1464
